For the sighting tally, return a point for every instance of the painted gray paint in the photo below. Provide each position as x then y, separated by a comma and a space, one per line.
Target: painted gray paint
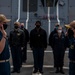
38, 12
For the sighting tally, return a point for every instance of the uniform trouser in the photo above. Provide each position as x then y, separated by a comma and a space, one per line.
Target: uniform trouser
4, 68
38, 55
58, 59
16, 57
71, 68
24, 53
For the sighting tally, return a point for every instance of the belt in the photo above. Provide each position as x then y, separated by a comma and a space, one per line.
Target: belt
2, 61
72, 61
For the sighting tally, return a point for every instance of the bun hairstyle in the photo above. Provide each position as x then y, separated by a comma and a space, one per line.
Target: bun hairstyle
16, 23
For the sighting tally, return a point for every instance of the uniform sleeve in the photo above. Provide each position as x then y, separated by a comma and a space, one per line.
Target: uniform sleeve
27, 36
31, 39
45, 43
67, 42
50, 39
53, 41
23, 39
10, 39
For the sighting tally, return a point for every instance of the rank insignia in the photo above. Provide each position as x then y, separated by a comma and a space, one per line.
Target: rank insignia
71, 46
18, 34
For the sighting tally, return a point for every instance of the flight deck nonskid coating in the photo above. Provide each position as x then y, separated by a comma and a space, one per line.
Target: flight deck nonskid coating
27, 68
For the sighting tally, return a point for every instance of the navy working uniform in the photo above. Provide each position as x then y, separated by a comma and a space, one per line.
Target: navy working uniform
24, 51
16, 41
52, 33
38, 42
4, 59
59, 46
51, 36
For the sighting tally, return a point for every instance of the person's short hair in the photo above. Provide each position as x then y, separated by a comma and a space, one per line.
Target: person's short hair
57, 25
16, 23
38, 22
22, 24
3, 18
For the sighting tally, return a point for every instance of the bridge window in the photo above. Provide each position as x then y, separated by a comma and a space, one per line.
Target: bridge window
32, 5
42, 1
49, 3
24, 5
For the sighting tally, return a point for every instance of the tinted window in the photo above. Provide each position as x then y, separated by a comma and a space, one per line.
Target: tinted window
25, 5
42, 1
49, 3
32, 5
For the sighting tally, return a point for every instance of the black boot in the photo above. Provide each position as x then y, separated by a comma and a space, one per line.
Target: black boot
57, 70
13, 71
61, 70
